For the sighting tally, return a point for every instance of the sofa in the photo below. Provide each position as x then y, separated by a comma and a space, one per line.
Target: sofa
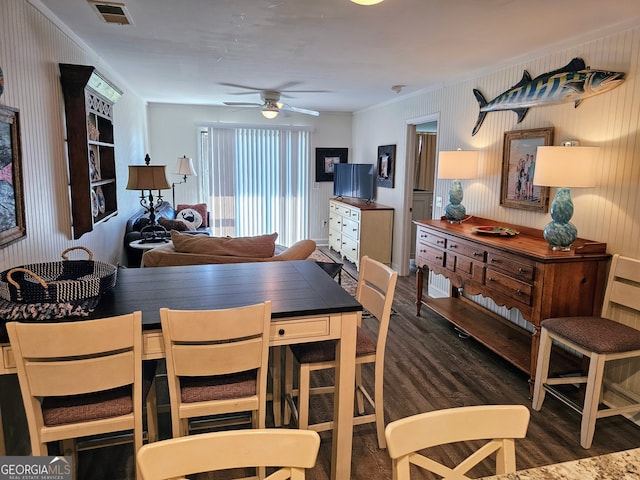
199, 250
165, 214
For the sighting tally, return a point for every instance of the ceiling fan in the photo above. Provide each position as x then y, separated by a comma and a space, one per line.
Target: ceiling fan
271, 104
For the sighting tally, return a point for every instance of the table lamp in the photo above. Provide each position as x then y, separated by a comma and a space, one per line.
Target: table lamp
457, 165
184, 167
148, 178
564, 166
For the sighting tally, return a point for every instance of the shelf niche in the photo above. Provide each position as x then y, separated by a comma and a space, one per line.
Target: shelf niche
88, 104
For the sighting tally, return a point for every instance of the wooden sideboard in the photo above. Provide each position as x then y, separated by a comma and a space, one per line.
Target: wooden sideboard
520, 272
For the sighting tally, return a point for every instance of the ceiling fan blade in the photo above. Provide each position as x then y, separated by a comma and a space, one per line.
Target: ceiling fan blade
245, 104
299, 110
305, 91
237, 85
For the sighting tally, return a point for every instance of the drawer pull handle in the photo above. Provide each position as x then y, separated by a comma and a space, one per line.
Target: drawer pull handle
476, 254
521, 270
281, 331
440, 242
438, 257
493, 260
520, 292
491, 279
453, 245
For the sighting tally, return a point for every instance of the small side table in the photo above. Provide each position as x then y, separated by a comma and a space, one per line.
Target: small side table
140, 245
332, 269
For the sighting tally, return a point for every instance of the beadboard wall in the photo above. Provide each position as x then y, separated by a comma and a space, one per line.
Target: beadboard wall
609, 213
31, 46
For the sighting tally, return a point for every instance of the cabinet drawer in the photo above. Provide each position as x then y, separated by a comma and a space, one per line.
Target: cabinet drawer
468, 249
425, 236
429, 256
342, 210
350, 249
335, 240
355, 214
335, 221
509, 286
351, 228
522, 271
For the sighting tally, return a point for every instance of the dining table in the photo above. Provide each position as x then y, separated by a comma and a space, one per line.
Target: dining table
623, 465
307, 306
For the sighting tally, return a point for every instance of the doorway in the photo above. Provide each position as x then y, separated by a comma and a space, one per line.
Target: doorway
422, 136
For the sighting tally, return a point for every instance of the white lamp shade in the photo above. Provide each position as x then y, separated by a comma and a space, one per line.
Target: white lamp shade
147, 177
458, 164
559, 166
184, 166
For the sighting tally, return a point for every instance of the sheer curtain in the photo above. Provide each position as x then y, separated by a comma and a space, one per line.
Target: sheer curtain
256, 180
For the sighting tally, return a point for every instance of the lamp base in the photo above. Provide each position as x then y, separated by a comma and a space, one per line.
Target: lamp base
154, 234
560, 235
455, 213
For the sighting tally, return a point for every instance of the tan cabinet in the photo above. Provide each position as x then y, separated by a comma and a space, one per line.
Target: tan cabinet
358, 228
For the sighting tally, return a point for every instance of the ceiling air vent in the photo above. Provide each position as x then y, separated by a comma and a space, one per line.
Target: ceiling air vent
112, 12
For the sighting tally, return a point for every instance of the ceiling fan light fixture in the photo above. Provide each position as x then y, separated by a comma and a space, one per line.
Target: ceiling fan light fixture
366, 2
270, 111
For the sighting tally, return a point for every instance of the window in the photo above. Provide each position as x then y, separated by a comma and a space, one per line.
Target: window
256, 180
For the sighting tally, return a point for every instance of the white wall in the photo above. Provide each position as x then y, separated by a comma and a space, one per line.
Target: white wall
172, 134
31, 46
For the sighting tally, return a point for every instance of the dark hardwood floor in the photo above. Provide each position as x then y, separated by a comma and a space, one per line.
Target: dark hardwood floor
429, 366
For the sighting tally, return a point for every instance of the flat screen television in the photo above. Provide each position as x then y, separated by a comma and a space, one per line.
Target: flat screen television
354, 180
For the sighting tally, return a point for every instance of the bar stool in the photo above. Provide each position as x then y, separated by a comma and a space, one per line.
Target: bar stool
601, 339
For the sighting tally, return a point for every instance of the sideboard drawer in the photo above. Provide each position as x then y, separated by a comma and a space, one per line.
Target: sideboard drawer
425, 236
468, 249
429, 256
509, 286
466, 267
520, 270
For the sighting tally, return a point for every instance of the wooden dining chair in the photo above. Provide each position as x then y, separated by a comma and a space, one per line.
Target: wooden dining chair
499, 424
291, 451
82, 378
600, 339
375, 291
217, 362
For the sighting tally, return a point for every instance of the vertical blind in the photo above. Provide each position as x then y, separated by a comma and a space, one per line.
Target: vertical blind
256, 180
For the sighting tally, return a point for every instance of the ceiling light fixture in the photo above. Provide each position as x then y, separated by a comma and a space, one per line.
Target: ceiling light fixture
366, 2
270, 111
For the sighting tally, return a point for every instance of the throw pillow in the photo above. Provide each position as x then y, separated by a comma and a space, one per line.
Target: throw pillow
191, 217
201, 208
177, 225
260, 246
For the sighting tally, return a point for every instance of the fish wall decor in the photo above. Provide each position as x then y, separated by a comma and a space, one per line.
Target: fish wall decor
571, 83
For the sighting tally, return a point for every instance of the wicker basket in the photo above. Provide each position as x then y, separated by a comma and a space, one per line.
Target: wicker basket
58, 282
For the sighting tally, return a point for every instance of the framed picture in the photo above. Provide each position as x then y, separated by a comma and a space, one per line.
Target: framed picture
518, 166
326, 158
386, 166
12, 218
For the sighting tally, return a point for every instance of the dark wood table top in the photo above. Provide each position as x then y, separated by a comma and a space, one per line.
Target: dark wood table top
295, 288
